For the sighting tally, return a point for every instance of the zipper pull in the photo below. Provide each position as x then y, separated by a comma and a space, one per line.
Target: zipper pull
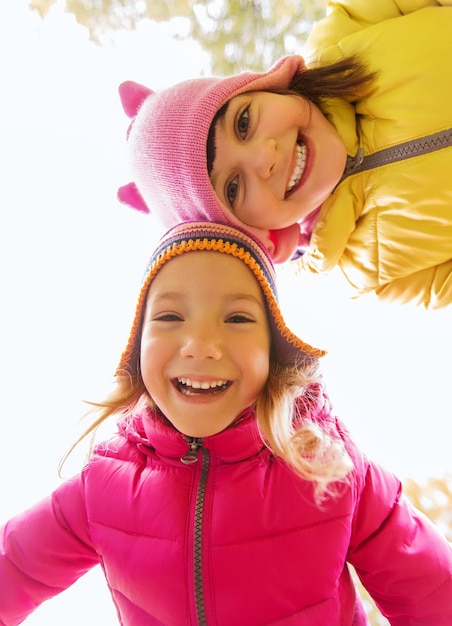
356, 161
353, 164
192, 455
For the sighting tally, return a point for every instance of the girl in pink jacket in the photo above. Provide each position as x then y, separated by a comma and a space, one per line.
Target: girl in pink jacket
231, 495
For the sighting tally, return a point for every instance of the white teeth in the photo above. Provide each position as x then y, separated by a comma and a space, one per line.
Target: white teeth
299, 166
196, 384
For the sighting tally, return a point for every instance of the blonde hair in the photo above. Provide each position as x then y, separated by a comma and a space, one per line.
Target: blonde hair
294, 417
290, 411
127, 394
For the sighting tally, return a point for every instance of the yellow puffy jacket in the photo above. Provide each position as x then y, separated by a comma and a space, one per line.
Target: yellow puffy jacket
389, 228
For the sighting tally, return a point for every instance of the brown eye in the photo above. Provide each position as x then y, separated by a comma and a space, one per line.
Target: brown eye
243, 123
232, 189
239, 318
168, 317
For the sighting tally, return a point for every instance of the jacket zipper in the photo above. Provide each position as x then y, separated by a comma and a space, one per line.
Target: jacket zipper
189, 458
406, 150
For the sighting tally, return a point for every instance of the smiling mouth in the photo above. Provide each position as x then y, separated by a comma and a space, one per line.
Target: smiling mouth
300, 164
190, 387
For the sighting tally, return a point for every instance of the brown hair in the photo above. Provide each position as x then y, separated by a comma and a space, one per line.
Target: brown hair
348, 79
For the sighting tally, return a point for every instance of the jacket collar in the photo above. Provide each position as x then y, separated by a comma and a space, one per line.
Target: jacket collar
151, 431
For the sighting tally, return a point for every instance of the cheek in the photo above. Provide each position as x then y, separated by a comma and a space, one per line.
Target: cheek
260, 366
152, 360
259, 195
301, 111
257, 382
144, 355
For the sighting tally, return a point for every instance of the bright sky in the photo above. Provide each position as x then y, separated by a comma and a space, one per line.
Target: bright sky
72, 259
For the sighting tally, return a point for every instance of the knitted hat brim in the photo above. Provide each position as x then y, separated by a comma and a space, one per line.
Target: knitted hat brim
287, 349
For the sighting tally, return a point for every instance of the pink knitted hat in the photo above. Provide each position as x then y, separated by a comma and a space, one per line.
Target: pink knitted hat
168, 141
287, 348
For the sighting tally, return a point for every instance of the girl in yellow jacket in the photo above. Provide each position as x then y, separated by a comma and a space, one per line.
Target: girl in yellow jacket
341, 158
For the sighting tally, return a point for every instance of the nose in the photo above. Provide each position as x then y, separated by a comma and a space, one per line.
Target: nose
202, 343
264, 158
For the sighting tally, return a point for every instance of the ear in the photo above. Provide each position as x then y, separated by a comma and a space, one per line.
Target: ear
280, 244
129, 194
285, 242
132, 96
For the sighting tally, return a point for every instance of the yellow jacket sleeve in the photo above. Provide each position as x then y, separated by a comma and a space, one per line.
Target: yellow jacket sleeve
430, 288
345, 17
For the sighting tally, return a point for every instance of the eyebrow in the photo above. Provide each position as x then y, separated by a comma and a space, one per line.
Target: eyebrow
221, 121
213, 177
177, 295
165, 295
245, 296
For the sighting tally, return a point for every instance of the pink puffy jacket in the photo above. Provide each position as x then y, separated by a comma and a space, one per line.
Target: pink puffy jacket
220, 532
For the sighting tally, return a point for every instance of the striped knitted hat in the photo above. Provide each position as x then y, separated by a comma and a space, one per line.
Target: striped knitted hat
287, 348
167, 141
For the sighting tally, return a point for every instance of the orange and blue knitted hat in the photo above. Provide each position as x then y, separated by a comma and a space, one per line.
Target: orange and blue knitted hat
167, 141
287, 348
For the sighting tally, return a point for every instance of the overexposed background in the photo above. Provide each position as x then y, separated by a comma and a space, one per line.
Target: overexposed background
71, 259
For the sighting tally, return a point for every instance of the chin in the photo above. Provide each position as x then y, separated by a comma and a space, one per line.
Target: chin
201, 432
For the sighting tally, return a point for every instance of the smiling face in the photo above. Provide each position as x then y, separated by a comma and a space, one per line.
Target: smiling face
277, 158
205, 347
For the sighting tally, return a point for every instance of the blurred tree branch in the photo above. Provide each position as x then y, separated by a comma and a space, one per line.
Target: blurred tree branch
237, 34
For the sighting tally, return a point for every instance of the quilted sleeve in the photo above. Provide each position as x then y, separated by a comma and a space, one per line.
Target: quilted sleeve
403, 561
430, 288
346, 17
42, 553
368, 12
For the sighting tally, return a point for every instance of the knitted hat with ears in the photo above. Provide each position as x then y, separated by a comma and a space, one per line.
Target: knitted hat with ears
167, 139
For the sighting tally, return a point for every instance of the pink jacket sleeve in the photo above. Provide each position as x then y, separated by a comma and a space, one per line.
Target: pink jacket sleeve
42, 552
401, 558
